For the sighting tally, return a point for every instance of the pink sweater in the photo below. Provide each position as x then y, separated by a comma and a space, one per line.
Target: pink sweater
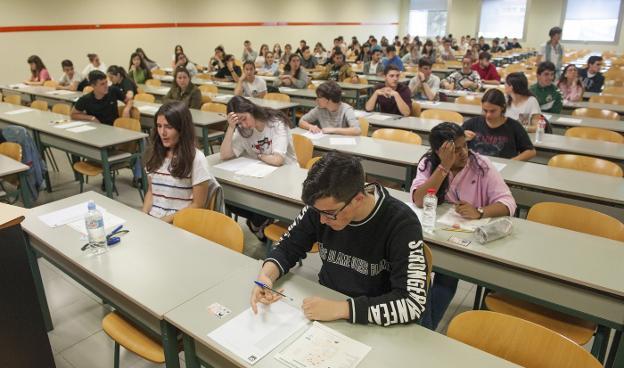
574, 93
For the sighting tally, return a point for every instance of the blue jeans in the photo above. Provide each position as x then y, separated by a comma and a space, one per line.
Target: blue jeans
440, 295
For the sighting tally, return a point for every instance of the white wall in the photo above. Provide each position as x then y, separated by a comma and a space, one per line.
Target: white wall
115, 46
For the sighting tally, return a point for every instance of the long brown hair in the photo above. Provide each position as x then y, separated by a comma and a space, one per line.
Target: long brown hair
267, 115
179, 117
39, 66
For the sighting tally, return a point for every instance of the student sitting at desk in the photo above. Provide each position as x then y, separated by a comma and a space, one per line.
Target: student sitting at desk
261, 59
270, 67
447, 53
217, 61
521, 104
248, 84
230, 72
38, 71
138, 71
182, 60
467, 180
101, 105
487, 70
151, 64
277, 52
591, 76
391, 96
374, 66
94, 64
464, 79
547, 94
370, 245
338, 70
118, 77
429, 52
392, 58
174, 58
294, 76
496, 135
332, 115
183, 90
261, 133
425, 85
248, 52
308, 60
286, 55
70, 79
413, 55
177, 172
570, 84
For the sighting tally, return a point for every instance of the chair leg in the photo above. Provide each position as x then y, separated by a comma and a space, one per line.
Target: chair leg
614, 347
116, 357
601, 340
81, 181
52, 159
477, 299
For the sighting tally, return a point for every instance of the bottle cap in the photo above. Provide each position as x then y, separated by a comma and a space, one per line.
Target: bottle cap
91, 206
431, 191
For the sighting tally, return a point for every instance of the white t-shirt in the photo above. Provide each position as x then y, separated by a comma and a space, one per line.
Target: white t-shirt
65, 81
530, 106
90, 67
171, 194
253, 89
274, 139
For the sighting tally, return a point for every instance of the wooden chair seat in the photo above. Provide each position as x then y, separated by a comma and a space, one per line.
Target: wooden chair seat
88, 168
275, 231
445, 115
131, 338
575, 329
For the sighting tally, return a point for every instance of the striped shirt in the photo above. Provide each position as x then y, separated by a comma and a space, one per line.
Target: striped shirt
171, 194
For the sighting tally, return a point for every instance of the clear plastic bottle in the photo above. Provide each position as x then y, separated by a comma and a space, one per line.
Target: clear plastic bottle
430, 206
94, 223
541, 128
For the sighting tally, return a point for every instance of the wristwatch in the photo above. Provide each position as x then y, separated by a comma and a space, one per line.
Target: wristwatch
480, 210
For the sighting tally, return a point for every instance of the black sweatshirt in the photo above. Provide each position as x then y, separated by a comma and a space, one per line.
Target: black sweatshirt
379, 262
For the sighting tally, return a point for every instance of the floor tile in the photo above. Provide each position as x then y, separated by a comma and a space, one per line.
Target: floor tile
97, 352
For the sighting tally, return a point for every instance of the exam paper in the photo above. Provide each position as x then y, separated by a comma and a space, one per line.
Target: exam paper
313, 136
323, 347
81, 129
499, 166
569, 120
417, 211
110, 222
60, 92
251, 336
340, 141
247, 166
148, 109
287, 89
453, 219
66, 215
70, 124
18, 111
379, 117
361, 114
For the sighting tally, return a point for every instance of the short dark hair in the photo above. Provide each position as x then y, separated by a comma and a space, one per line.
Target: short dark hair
554, 31
594, 59
389, 68
544, 66
329, 90
249, 62
424, 62
67, 64
220, 48
374, 50
485, 55
304, 48
496, 97
95, 76
390, 48
337, 175
91, 57
247, 41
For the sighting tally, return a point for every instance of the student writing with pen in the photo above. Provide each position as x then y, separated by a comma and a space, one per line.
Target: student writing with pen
466, 179
370, 244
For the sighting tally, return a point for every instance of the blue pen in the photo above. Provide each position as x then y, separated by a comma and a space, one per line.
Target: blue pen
265, 286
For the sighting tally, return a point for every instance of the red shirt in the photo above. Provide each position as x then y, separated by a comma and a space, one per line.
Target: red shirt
488, 73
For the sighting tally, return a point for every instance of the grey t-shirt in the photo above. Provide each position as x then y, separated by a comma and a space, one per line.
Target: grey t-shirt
344, 117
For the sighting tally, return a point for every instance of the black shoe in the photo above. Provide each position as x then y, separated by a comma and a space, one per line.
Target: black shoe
258, 232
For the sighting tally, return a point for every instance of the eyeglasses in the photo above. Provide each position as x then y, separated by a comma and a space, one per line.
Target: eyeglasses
334, 215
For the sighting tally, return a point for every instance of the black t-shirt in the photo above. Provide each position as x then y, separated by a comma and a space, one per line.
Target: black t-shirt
225, 72
593, 83
507, 141
127, 85
105, 110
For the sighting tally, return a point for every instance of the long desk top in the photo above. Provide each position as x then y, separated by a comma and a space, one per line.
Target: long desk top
156, 265
200, 118
44, 92
43, 121
579, 184
533, 246
9, 166
392, 346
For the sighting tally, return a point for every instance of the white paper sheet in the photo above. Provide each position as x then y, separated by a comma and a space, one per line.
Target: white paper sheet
361, 114
18, 111
247, 167
547, 116
287, 89
380, 117
60, 92
81, 129
569, 120
66, 215
340, 141
148, 109
222, 98
313, 136
110, 223
250, 337
499, 166
322, 347
18, 85
431, 103
453, 219
69, 124
417, 211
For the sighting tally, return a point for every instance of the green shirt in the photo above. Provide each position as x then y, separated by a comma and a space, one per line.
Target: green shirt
139, 76
548, 97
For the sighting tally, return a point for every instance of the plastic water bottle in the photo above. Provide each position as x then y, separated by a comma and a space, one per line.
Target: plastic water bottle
541, 127
430, 206
94, 223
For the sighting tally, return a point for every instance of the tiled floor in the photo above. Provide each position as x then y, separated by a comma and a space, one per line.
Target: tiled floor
78, 340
